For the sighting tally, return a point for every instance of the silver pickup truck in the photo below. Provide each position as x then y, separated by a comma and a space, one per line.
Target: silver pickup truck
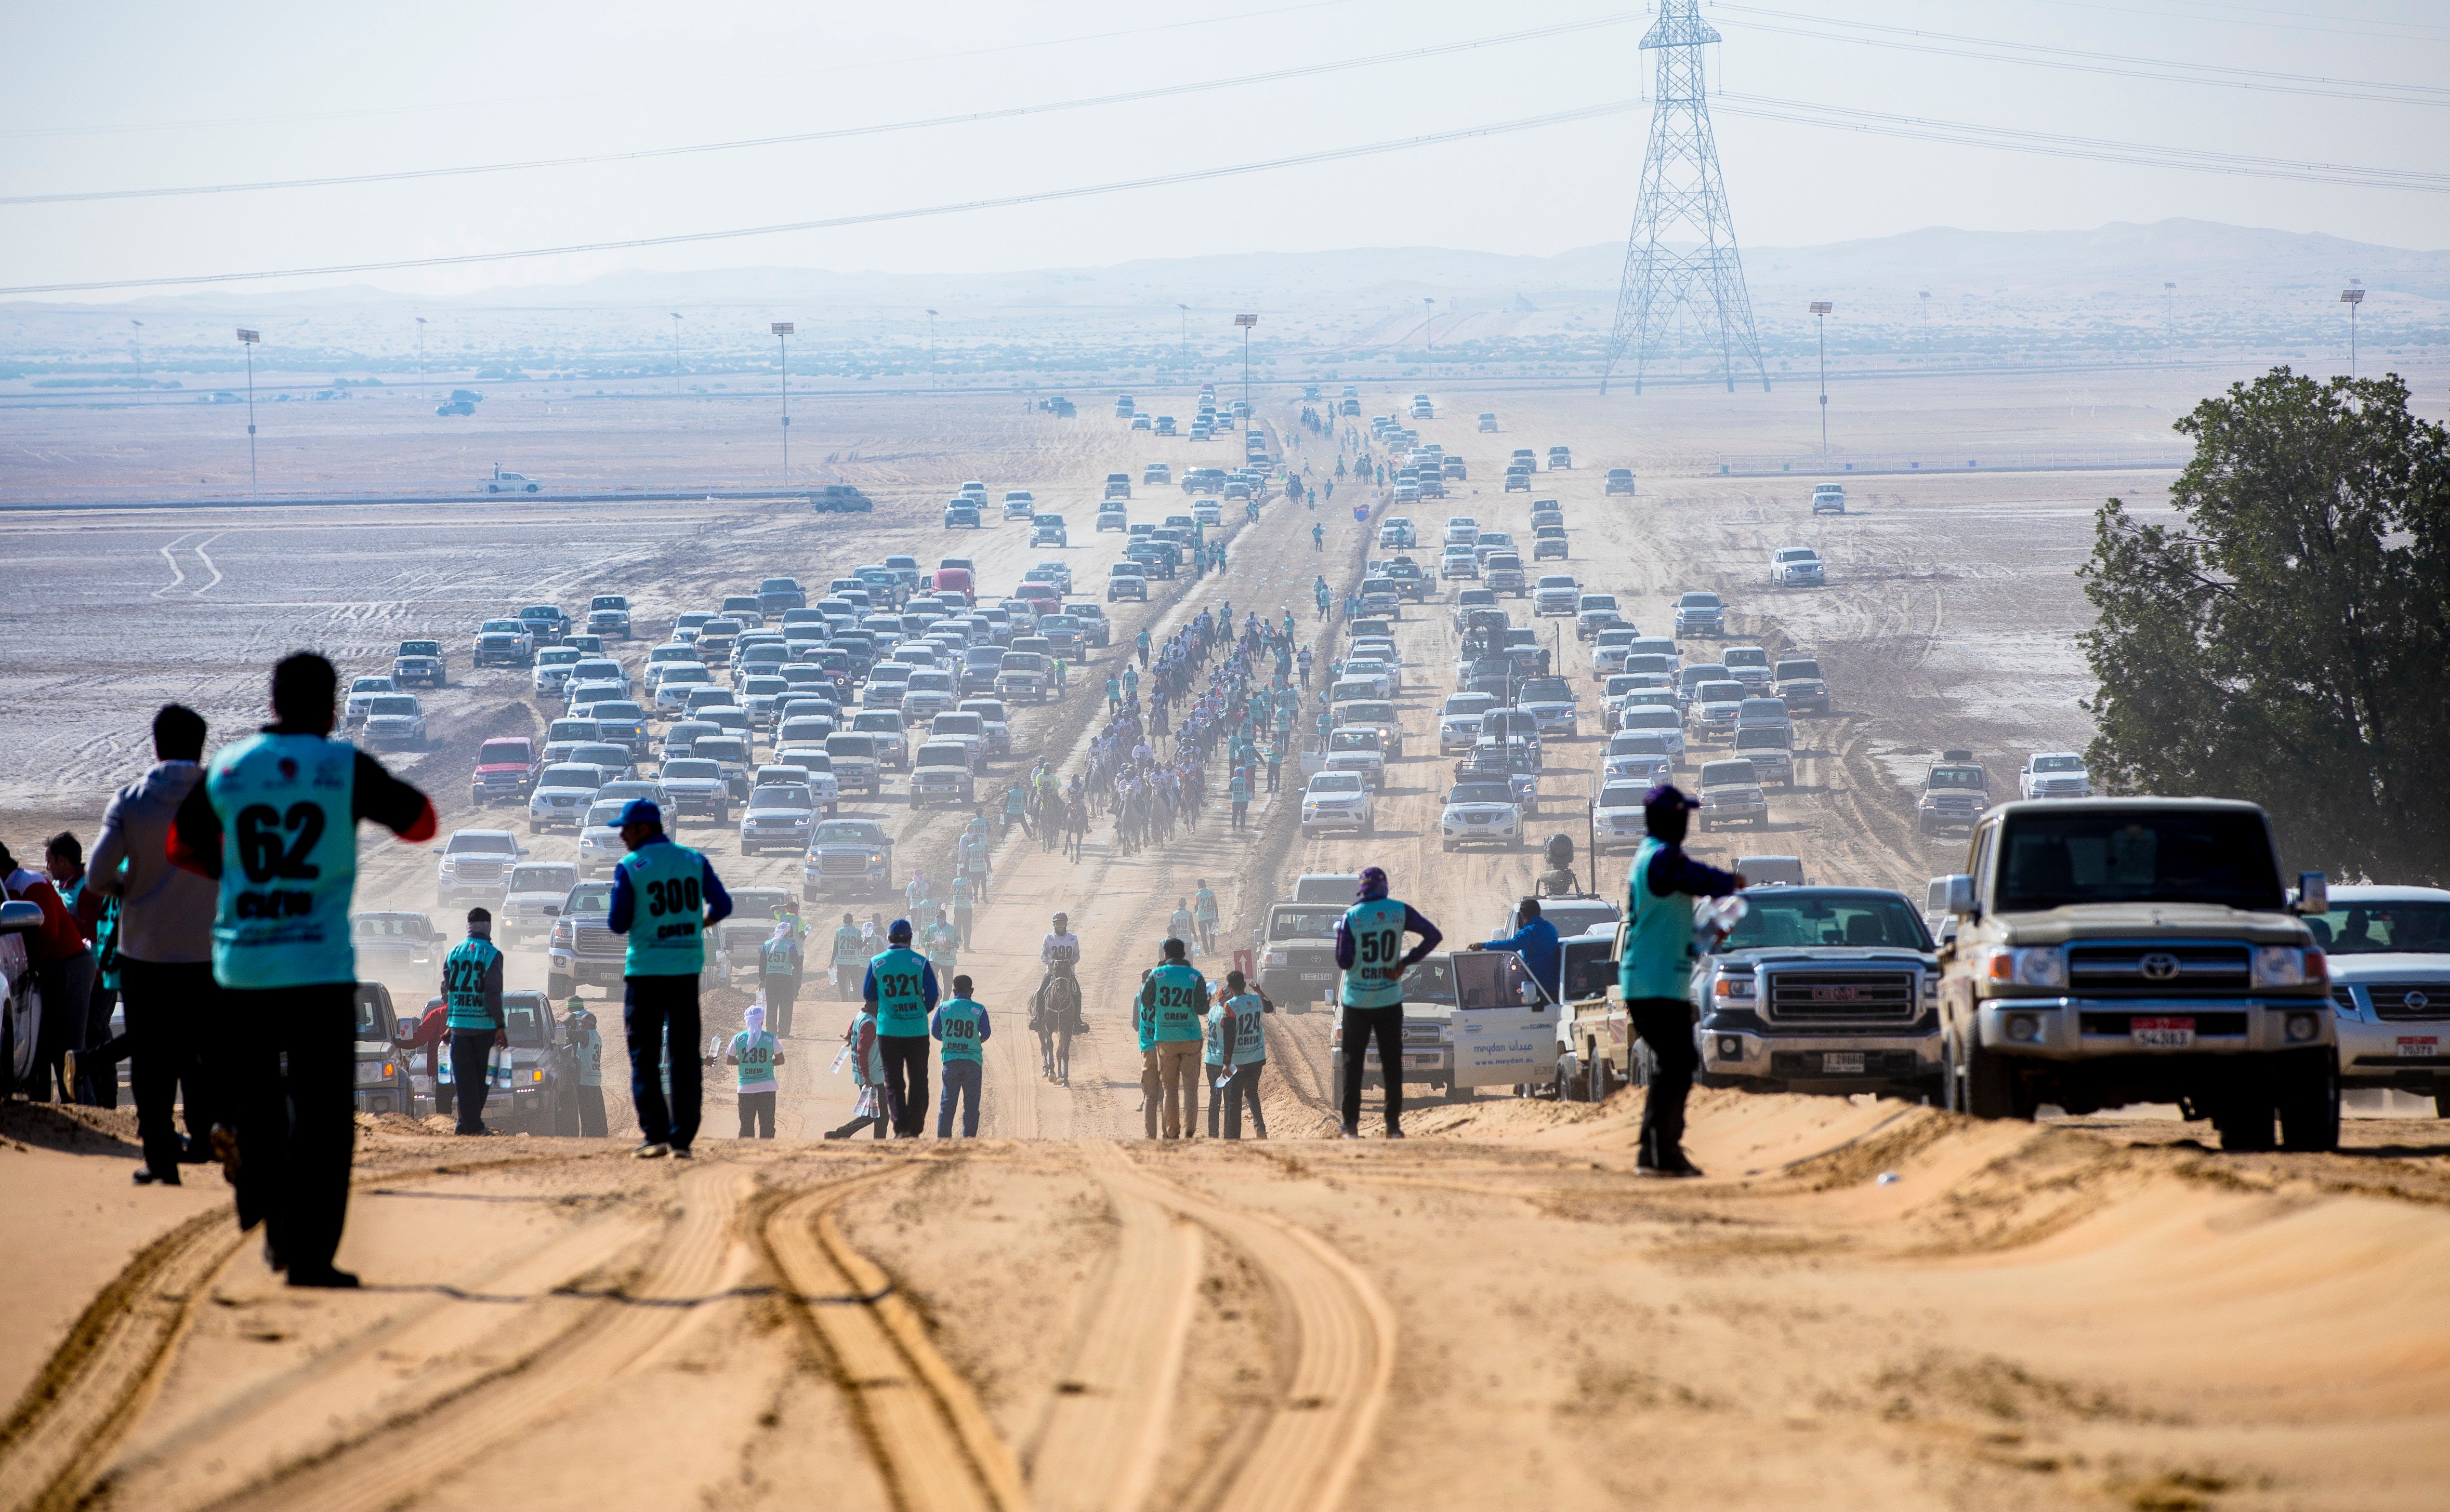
1821, 990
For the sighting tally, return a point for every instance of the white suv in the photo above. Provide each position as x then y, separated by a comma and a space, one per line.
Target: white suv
1338, 800
2053, 774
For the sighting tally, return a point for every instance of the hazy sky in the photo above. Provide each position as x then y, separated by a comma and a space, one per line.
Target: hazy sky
121, 96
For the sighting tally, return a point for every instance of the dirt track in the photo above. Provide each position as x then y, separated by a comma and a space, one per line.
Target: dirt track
2089, 1314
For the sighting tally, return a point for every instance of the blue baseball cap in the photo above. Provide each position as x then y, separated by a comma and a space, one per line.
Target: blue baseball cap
641, 811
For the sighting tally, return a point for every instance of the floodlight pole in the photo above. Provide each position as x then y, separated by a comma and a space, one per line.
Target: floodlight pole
2352, 298
676, 346
931, 351
421, 348
1186, 336
1246, 321
1820, 309
247, 340
782, 330
1428, 340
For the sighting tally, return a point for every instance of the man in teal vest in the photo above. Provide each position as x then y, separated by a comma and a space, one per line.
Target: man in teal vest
900, 987
665, 898
960, 890
778, 973
959, 1024
851, 950
1172, 1010
587, 1049
756, 1054
1657, 971
471, 996
1203, 914
274, 823
1369, 949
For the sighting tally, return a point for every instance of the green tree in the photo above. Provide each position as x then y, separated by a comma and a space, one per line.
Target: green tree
2287, 640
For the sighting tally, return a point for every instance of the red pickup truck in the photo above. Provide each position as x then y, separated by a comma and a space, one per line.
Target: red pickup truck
506, 769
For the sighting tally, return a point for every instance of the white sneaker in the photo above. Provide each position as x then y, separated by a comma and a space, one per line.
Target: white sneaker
653, 1149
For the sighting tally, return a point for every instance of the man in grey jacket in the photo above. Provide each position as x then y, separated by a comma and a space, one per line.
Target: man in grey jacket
166, 947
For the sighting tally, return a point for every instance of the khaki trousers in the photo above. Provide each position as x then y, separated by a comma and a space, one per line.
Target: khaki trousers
1169, 1077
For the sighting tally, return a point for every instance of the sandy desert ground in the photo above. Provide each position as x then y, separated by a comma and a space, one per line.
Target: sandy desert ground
2085, 1312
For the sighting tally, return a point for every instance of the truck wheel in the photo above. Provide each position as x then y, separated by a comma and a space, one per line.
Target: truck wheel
2310, 1104
1566, 1086
1990, 1089
557, 987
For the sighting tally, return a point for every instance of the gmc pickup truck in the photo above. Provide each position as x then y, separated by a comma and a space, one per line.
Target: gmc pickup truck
2117, 951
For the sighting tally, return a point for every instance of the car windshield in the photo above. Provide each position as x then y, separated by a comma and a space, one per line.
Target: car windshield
1763, 737
1958, 777
389, 926
1304, 924
1742, 657
1800, 916
721, 747
543, 879
524, 1017
848, 832
2221, 857
372, 685
1789, 671
1335, 783
392, 705
1698, 601
1729, 774
472, 842
2383, 928
2058, 764
1471, 703
1719, 694
1546, 690
616, 710
688, 770
1481, 793
1621, 795
420, 647
779, 795
573, 775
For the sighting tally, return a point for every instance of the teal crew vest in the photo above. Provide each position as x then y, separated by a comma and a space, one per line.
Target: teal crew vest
289, 861
1659, 943
463, 982
1181, 998
1376, 979
755, 1054
668, 923
1250, 1033
901, 1006
779, 957
959, 1018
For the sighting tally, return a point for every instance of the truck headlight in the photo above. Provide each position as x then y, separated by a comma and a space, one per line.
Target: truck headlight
2033, 966
2023, 1028
2280, 966
1734, 987
1730, 1048
2303, 1027
373, 1074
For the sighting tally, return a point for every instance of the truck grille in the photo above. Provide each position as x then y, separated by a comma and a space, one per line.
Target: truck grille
468, 871
597, 941
1421, 1034
2158, 969
2409, 999
1841, 996
832, 865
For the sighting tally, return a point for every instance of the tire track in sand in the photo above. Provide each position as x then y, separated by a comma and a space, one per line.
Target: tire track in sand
1343, 1337
60, 1435
935, 1447
383, 1468
1105, 1432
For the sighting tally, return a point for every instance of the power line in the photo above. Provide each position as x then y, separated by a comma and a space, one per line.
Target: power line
1005, 201
1163, 91
2079, 60
2010, 139
865, 65
2327, 25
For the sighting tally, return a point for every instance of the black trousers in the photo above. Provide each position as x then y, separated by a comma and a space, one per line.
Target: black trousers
590, 1113
1358, 1025
169, 1006
1665, 1025
850, 975
293, 1062
100, 1052
1244, 1088
905, 1081
757, 1115
781, 994
470, 1050
961, 916
652, 1009
67, 989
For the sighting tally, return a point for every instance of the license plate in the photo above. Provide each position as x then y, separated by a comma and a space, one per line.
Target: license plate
1842, 1062
2162, 1033
1315, 976
2418, 1046
1426, 1059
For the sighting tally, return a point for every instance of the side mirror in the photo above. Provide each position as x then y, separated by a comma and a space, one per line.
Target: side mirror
1960, 896
18, 916
2313, 893
437, 849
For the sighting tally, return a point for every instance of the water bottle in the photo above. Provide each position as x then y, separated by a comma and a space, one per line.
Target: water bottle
1713, 922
